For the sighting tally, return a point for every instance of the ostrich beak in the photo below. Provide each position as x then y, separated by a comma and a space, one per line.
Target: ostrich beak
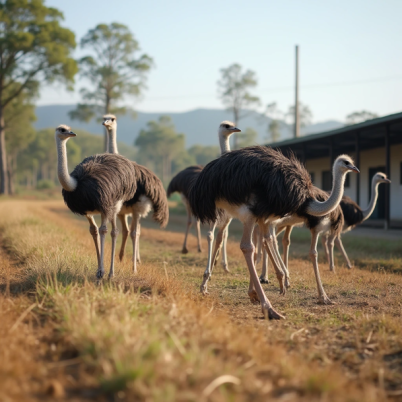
72, 134
387, 181
236, 130
354, 169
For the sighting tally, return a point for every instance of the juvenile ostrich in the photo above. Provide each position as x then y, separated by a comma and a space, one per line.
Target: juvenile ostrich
150, 194
353, 215
260, 185
183, 182
100, 184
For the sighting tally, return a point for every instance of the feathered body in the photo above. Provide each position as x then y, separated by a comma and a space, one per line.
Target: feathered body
352, 213
262, 178
184, 180
102, 181
150, 194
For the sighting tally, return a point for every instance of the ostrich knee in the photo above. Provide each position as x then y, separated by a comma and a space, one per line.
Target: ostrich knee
285, 242
94, 231
103, 230
114, 233
313, 255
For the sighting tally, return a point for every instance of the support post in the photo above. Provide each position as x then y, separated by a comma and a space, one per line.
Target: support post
297, 115
388, 173
357, 163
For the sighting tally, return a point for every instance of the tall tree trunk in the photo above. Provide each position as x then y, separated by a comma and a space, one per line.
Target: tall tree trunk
3, 156
11, 187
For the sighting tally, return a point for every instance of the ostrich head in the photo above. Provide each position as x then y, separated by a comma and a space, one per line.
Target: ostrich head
64, 132
381, 178
227, 128
109, 121
344, 164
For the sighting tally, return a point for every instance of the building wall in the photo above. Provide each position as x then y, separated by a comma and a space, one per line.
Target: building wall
368, 159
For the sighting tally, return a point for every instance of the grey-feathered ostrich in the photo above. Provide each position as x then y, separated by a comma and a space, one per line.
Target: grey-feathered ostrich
353, 215
182, 184
150, 195
331, 223
261, 185
100, 184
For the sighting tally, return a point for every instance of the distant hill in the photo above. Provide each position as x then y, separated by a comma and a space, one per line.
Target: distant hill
200, 125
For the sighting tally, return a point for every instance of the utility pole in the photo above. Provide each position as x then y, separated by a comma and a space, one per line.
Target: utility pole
297, 117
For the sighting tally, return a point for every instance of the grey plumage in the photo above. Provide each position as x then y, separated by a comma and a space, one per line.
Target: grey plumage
184, 180
352, 212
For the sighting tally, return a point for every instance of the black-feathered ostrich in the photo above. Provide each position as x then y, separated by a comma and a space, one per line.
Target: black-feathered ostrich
260, 185
353, 216
100, 184
150, 195
182, 184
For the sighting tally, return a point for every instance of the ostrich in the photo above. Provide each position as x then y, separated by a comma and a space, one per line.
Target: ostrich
260, 185
183, 182
331, 223
353, 215
100, 184
150, 194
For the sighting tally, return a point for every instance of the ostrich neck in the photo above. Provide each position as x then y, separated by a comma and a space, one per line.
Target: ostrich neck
374, 195
224, 143
112, 141
317, 208
67, 182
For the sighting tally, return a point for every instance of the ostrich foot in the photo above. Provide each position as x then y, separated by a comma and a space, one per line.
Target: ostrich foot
263, 280
110, 276
287, 282
184, 251
199, 249
254, 297
225, 267
121, 256
203, 289
138, 261
332, 268
271, 314
349, 266
100, 273
324, 299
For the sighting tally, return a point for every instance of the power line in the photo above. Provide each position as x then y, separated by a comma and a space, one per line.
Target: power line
290, 88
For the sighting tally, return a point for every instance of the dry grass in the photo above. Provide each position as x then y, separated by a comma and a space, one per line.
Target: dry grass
153, 337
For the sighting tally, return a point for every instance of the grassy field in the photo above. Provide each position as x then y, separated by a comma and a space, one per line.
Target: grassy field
153, 337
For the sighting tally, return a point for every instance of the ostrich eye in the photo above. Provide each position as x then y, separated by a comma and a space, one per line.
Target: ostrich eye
63, 130
347, 163
112, 119
227, 126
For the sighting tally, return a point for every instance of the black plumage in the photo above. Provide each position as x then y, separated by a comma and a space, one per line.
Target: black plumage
352, 212
184, 180
269, 182
149, 185
102, 181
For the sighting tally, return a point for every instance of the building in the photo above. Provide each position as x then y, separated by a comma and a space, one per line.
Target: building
375, 145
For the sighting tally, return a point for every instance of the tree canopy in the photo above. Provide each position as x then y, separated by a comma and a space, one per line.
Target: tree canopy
359, 117
34, 47
234, 90
112, 69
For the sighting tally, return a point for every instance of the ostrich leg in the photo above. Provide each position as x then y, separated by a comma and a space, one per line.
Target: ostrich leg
339, 244
269, 247
264, 270
286, 244
248, 249
198, 225
114, 233
322, 296
207, 273
189, 222
135, 234
138, 241
93, 229
324, 240
224, 248
330, 243
102, 233
124, 228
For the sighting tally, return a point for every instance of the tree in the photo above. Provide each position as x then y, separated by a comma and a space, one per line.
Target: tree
33, 48
233, 89
160, 144
113, 70
273, 116
247, 138
359, 117
305, 115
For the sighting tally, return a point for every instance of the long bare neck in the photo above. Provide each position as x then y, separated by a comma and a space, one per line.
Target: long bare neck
224, 143
317, 208
374, 196
112, 141
67, 182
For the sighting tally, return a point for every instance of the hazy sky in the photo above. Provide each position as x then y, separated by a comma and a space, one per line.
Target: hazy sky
350, 51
